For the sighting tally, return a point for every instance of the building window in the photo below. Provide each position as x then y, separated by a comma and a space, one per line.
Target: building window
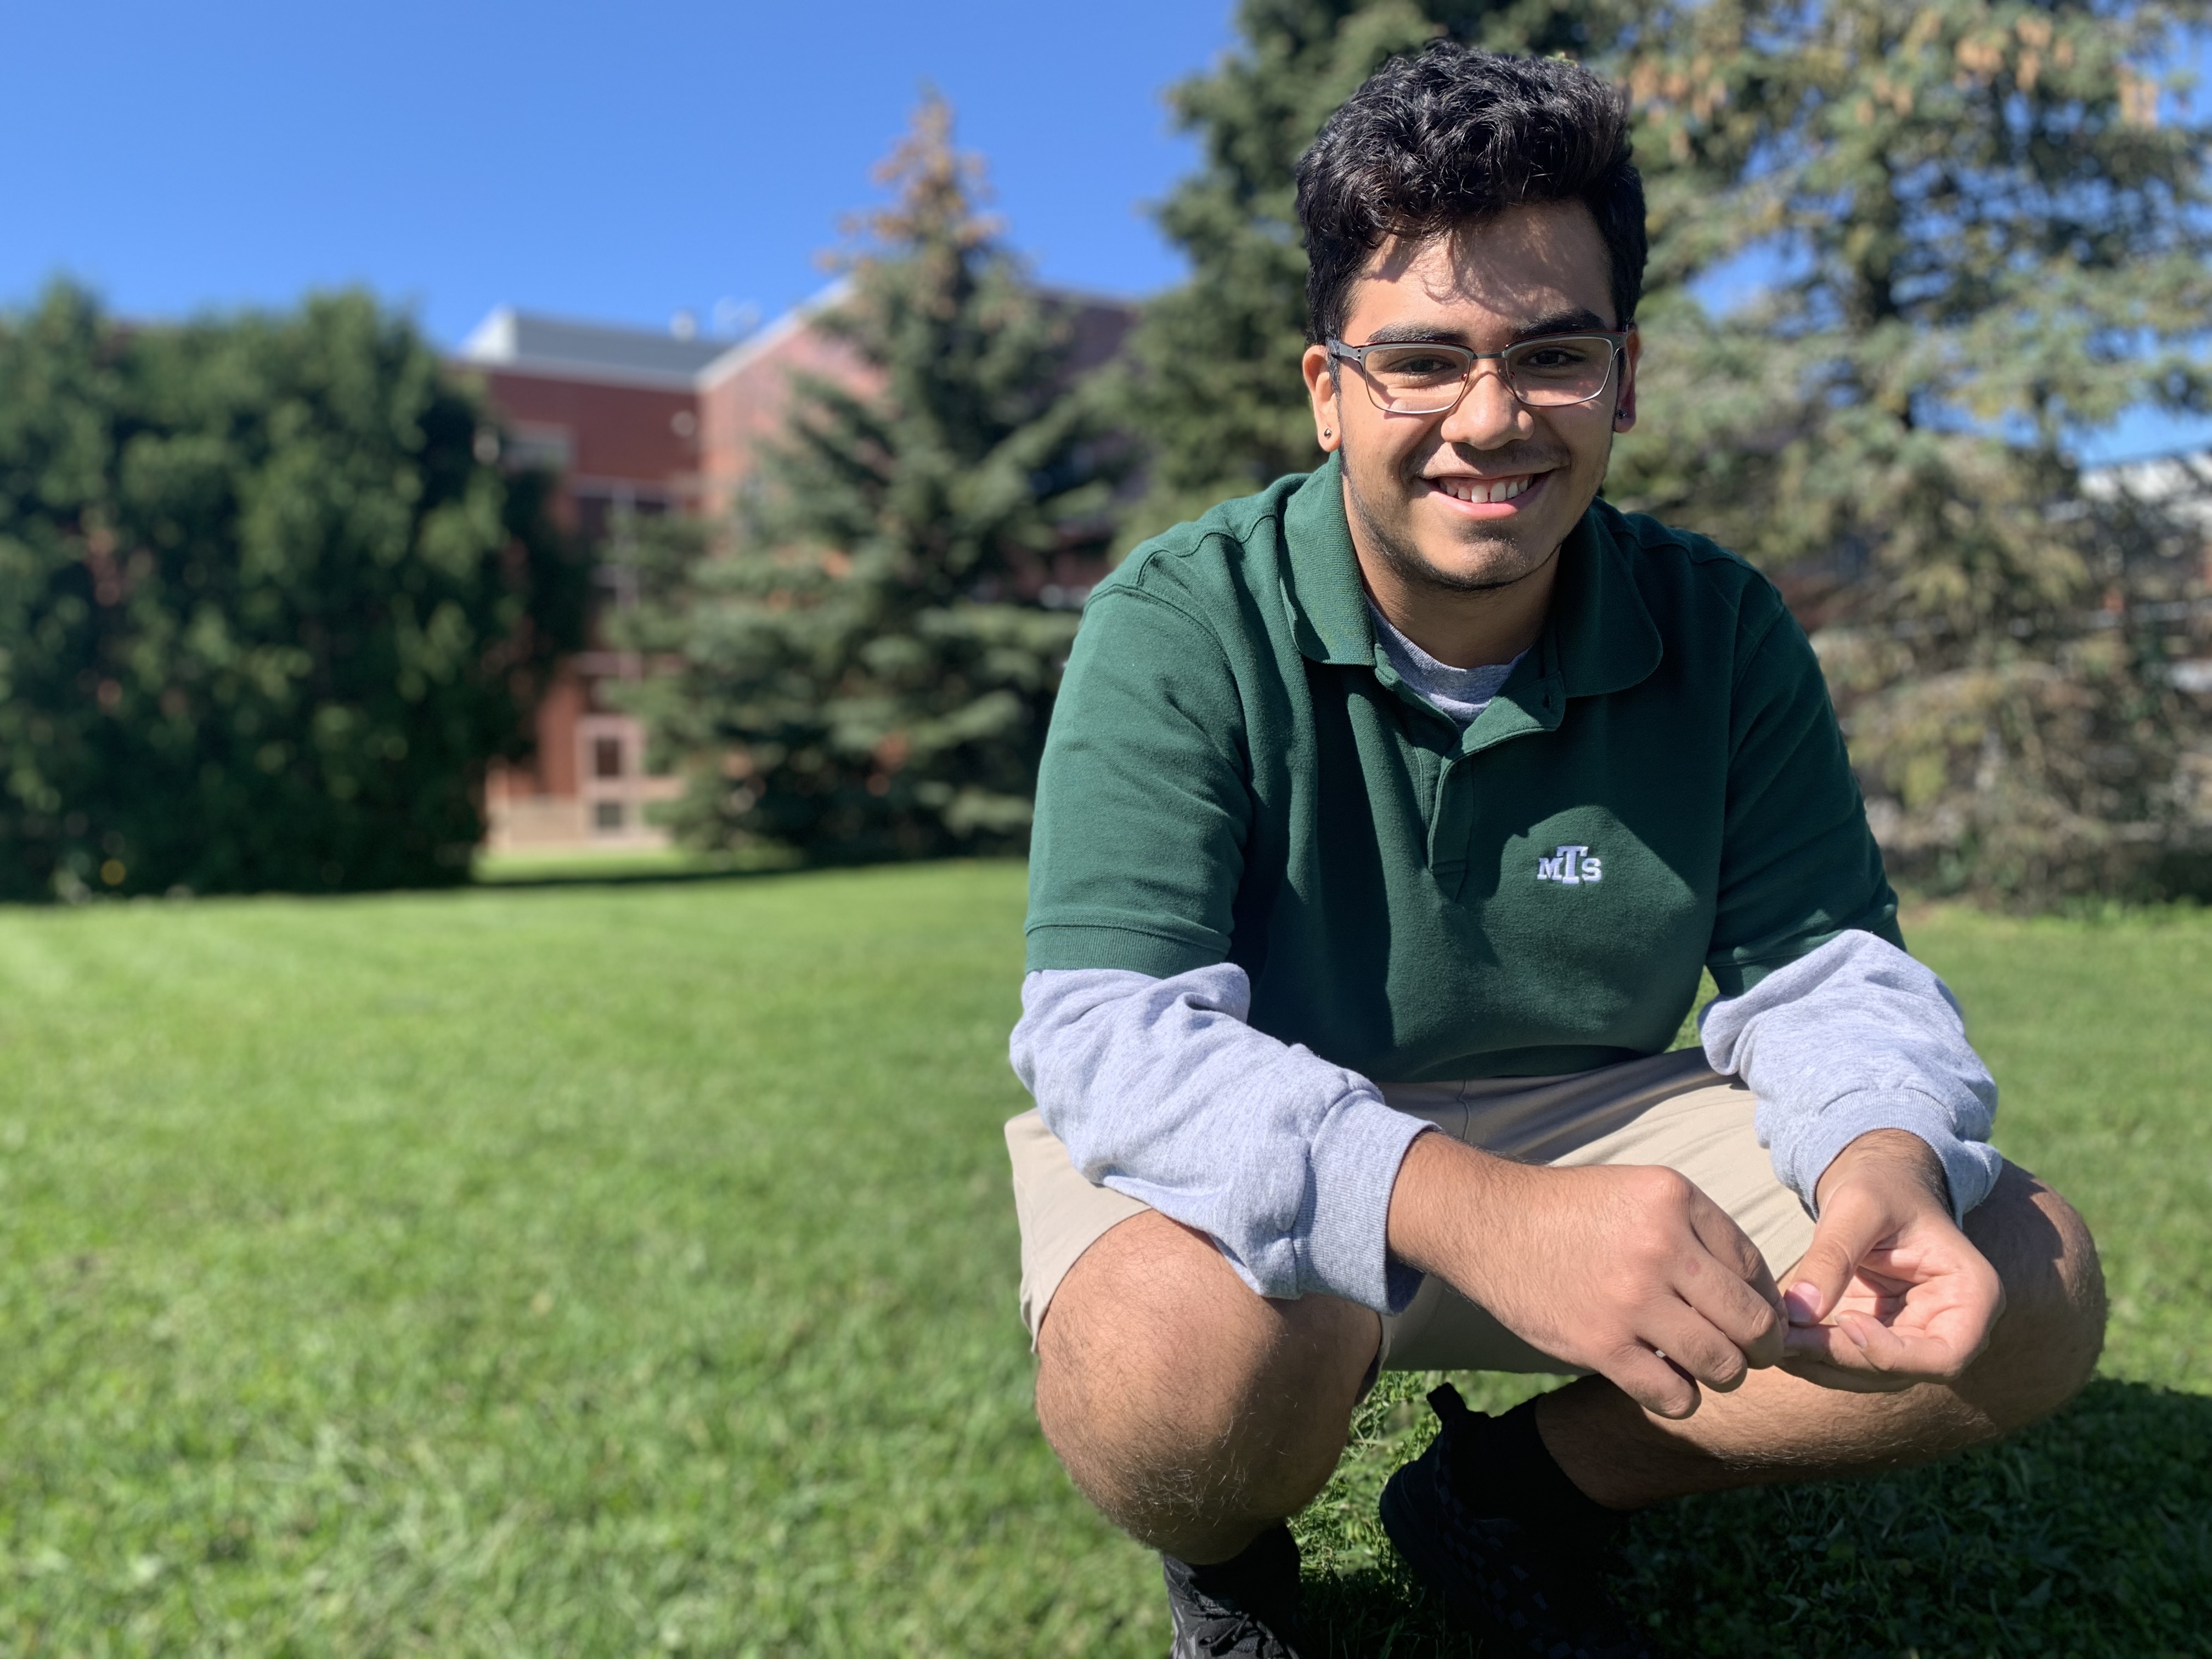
603, 514
607, 817
538, 449
606, 757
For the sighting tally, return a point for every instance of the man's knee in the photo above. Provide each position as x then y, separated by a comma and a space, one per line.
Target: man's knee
2047, 1341
1181, 1403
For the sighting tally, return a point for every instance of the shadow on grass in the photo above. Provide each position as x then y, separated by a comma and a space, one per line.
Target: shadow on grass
2091, 1533
614, 870
619, 879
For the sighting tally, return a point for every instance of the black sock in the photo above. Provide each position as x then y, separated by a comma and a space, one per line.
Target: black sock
1261, 1581
1503, 1469
1267, 1562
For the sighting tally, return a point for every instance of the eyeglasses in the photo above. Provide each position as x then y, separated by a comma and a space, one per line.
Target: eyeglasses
1427, 377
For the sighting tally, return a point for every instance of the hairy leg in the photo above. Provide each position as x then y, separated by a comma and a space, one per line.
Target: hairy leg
1192, 1413
1779, 1427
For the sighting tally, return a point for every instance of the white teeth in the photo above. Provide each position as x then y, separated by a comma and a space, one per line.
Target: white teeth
1486, 493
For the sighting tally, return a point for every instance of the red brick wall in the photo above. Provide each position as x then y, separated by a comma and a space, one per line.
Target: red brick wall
632, 435
643, 438
693, 450
746, 403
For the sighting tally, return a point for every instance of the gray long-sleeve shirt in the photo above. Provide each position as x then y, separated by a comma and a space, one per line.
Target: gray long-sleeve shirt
1160, 1089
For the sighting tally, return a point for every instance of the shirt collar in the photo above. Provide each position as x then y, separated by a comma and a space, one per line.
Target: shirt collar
1600, 636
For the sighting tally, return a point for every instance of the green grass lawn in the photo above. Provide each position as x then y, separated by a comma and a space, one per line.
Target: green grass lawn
630, 1269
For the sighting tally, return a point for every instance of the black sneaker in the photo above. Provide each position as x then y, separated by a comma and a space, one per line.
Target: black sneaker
1505, 1580
1246, 1606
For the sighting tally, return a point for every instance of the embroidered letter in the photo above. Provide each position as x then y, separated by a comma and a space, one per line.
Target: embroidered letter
1570, 866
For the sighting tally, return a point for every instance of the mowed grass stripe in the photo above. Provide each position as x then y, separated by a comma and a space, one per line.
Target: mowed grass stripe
583, 1272
609, 1270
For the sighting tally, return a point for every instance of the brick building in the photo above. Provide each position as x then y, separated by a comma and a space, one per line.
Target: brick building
642, 422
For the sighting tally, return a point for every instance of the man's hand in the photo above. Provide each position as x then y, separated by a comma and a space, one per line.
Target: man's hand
1629, 1271
1890, 1293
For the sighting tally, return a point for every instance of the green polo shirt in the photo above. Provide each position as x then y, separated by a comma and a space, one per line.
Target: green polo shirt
1236, 773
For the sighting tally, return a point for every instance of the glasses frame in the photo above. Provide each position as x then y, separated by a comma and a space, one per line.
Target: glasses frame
1357, 356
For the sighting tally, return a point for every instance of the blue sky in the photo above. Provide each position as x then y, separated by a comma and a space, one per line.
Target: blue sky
594, 161
619, 163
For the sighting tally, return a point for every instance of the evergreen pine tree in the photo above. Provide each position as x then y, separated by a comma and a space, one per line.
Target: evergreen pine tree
1213, 386
861, 672
1974, 236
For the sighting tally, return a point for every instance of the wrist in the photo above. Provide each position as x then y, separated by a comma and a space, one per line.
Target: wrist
1443, 1188
1892, 1158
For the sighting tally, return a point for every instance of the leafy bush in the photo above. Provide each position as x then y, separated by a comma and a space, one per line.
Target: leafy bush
267, 605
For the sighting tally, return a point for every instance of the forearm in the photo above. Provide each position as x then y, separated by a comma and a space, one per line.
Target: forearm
1606, 1267
1159, 1089
1445, 1190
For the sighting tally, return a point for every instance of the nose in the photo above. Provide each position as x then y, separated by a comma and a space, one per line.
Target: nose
1488, 415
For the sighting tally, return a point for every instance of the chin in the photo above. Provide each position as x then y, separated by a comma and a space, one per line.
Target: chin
1493, 562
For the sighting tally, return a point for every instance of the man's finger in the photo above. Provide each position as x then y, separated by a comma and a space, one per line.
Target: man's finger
1735, 1315
1826, 1345
1903, 1353
1697, 1348
1740, 1301
1651, 1382
1846, 1231
1864, 1346
1718, 1231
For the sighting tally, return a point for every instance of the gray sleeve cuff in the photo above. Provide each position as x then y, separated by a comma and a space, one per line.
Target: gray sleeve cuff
1802, 1148
1160, 1089
1342, 1237
1851, 1037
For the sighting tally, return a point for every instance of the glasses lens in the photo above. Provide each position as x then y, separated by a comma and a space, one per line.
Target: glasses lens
1416, 378
1571, 369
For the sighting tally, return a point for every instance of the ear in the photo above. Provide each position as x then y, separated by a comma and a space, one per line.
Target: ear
1323, 392
1624, 402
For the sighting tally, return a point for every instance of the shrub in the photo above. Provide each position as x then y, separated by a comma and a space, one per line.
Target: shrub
267, 604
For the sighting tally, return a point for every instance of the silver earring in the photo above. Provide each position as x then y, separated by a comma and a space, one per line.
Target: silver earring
1325, 433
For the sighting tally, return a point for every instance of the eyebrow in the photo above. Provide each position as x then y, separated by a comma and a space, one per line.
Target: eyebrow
1574, 320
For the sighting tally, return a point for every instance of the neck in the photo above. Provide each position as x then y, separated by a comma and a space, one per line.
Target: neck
1461, 627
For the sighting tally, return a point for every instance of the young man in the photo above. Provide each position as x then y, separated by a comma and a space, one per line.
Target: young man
1388, 818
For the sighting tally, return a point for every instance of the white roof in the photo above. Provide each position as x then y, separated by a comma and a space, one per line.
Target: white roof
524, 342
2181, 481
758, 343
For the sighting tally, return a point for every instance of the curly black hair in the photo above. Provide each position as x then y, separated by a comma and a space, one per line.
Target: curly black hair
1452, 135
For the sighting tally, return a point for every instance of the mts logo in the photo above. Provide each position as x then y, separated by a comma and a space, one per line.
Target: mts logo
1570, 866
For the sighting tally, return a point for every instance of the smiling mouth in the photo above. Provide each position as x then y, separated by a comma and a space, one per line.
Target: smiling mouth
1485, 492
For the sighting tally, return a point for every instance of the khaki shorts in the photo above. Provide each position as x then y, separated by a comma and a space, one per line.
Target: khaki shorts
1670, 1109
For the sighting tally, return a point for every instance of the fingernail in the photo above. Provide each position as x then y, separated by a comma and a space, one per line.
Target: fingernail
1856, 1334
1804, 1304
